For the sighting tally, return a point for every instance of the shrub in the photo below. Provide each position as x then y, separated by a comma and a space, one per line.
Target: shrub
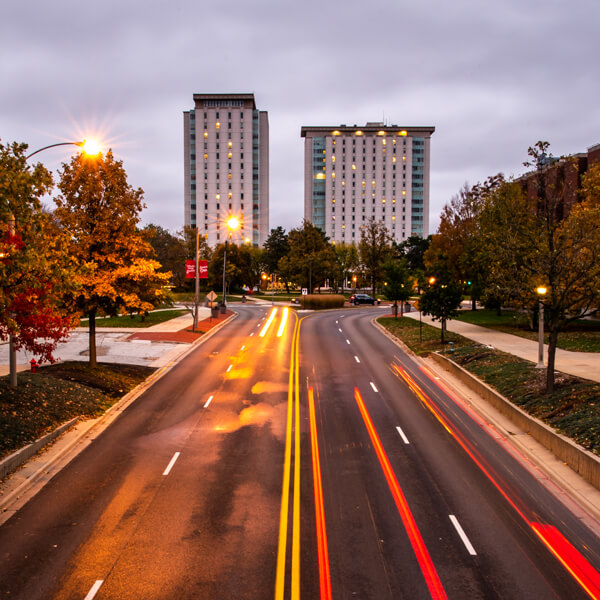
319, 301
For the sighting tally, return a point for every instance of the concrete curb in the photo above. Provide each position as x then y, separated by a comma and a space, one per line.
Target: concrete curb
583, 462
12, 462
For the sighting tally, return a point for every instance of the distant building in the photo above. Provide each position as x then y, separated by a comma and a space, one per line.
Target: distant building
226, 167
353, 174
562, 180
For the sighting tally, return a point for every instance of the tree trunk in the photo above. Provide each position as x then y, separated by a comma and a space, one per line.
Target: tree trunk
442, 328
92, 337
552, 341
395, 309
473, 303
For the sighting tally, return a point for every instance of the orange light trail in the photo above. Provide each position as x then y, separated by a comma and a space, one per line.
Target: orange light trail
427, 567
323, 553
266, 326
573, 561
284, 318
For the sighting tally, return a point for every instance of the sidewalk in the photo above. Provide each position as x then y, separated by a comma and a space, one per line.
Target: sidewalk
580, 364
154, 346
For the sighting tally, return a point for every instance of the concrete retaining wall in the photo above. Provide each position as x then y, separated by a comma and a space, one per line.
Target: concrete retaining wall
16, 459
580, 460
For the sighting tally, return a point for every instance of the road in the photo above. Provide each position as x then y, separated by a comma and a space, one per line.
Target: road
306, 459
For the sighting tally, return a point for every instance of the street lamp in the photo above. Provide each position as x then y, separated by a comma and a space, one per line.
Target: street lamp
233, 223
89, 147
541, 291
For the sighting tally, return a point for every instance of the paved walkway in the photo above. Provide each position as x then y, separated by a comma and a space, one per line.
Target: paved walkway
164, 342
580, 364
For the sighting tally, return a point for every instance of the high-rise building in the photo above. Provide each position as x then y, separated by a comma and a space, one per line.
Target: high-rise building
353, 174
226, 157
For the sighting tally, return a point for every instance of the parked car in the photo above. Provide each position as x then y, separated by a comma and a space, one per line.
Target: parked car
362, 299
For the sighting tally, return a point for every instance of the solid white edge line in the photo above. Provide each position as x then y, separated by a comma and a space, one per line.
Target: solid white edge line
208, 402
463, 536
373, 386
94, 589
357, 359
404, 438
170, 466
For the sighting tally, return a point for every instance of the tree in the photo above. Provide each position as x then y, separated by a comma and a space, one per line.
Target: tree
533, 246
99, 211
34, 268
458, 241
346, 261
414, 248
275, 248
441, 299
398, 282
170, 250
375, 247
311, 258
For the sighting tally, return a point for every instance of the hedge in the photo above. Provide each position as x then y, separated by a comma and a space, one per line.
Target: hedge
318, 301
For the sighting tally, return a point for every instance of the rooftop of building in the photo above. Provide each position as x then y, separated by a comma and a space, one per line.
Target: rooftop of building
370, 128
200, 98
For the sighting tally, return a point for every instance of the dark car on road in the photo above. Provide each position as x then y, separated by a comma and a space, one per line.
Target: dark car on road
362, 299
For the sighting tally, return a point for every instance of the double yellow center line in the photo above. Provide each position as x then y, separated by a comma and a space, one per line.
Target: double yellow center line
293, 417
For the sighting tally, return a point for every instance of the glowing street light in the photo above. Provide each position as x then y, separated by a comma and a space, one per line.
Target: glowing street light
89, 147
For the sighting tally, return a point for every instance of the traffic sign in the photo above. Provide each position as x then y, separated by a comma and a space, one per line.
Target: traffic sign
211, 296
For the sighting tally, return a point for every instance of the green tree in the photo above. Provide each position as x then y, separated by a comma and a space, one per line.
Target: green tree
375, 247
275, 248
100, 211
397, 282
34, 268
346, 260
441, 299
413, 248
170, 251
311, 258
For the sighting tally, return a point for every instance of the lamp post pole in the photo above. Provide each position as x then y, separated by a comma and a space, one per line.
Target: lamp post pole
197, 288
224, 303
540, 365
12, 353
541, 291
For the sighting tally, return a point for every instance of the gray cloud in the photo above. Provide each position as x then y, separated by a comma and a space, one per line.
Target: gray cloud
492, 79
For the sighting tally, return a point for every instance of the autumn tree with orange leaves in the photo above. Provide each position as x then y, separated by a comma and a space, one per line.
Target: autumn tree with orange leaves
100, 211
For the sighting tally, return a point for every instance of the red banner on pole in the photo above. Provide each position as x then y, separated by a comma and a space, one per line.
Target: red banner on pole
190, 269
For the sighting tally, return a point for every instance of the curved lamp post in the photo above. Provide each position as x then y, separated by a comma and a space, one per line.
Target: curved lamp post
89, 147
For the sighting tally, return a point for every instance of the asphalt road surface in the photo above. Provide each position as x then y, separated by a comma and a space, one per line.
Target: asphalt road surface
300, 458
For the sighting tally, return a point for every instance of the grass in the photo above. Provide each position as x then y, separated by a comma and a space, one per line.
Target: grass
58, 393
573, 409
152, 318
580, 336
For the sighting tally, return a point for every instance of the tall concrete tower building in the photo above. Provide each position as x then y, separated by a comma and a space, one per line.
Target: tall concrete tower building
226, 158
353, 174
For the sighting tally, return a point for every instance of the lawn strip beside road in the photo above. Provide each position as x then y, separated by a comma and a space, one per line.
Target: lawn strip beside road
573, 409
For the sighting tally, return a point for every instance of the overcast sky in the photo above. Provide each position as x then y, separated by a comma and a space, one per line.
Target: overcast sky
491, 77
